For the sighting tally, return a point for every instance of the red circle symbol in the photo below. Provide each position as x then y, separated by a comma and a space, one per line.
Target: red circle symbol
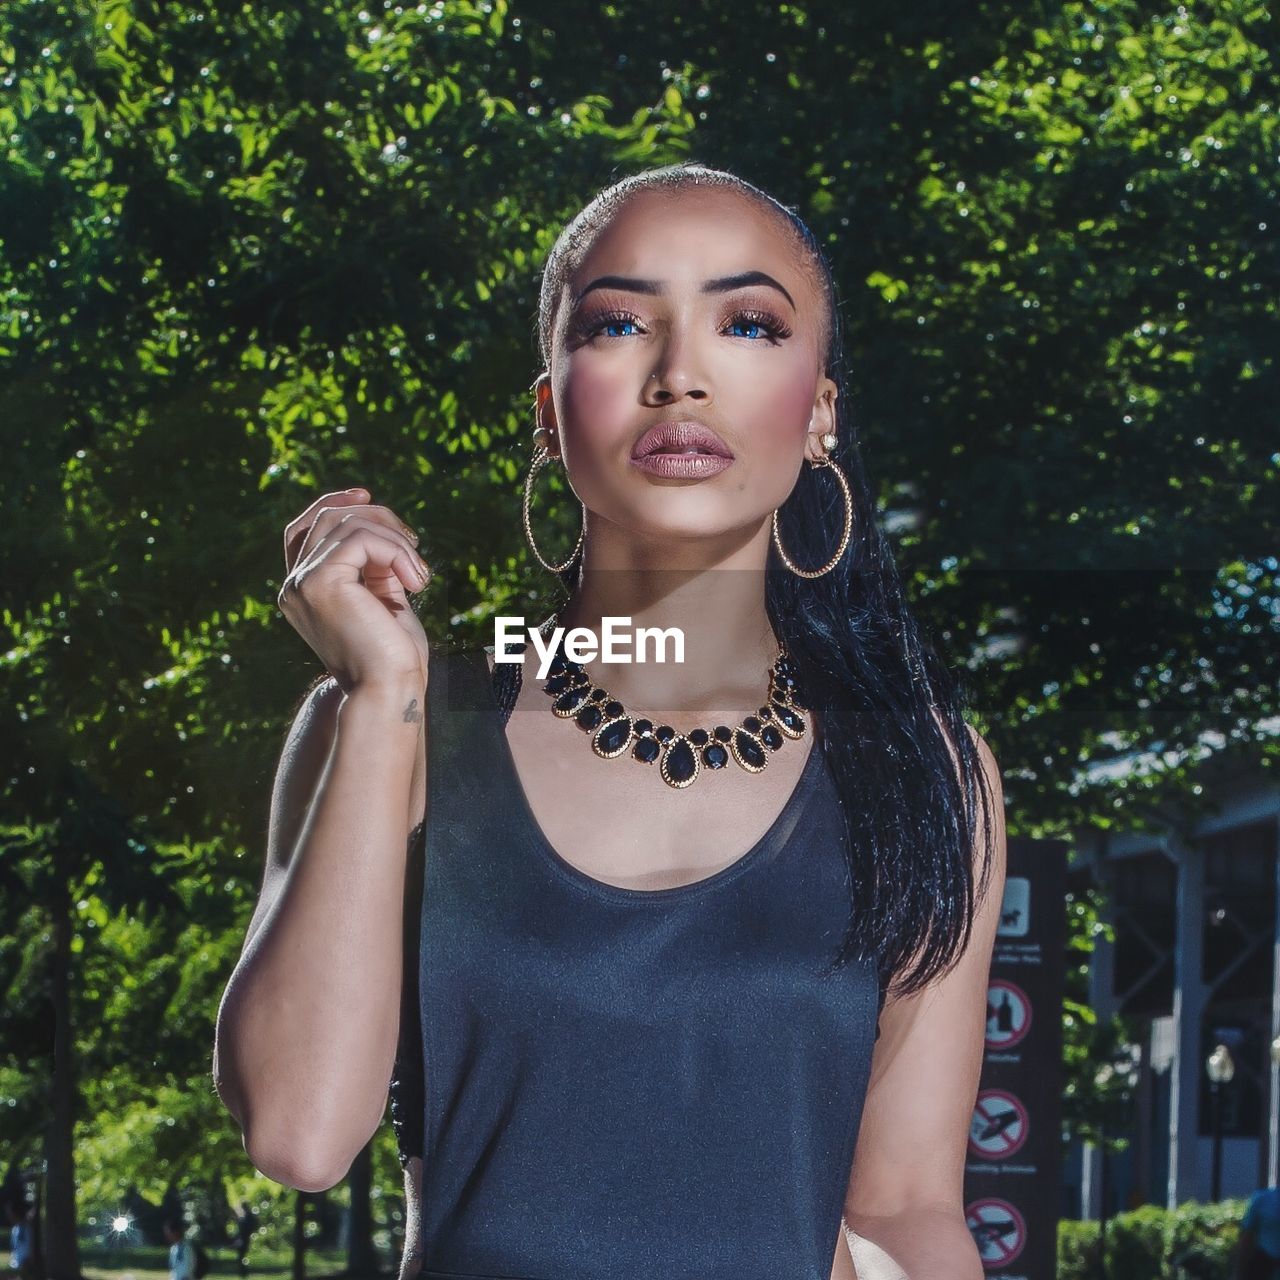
998, 1229
999, 1126
1008, 1014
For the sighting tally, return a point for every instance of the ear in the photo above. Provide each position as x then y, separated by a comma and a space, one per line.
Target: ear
545, 414
822, 420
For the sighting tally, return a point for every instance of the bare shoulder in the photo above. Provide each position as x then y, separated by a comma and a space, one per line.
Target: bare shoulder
990, 766
990, 854
984, 749
986, 759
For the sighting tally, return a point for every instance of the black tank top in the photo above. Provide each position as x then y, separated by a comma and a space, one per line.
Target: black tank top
621, 1082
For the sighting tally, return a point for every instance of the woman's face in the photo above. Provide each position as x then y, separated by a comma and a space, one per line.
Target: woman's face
652, 328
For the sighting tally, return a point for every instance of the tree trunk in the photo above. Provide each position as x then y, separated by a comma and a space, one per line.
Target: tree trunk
61, 1246
300, 1235
362, 1257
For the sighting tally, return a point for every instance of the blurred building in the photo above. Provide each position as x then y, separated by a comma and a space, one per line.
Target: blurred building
1196, 962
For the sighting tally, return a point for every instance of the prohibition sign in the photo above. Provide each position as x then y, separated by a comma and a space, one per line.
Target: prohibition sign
1008, 1014
998, 1229
999, 1126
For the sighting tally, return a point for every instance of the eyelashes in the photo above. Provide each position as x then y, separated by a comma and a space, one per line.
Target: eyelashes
774, 328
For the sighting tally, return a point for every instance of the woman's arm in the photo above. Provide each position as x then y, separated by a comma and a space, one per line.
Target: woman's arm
307, 1028
906, 1188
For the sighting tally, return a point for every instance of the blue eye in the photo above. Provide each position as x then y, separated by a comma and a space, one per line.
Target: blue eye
761, 323
585, 330
772, 328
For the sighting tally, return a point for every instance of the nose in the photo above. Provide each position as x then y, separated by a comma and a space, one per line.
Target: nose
675, 375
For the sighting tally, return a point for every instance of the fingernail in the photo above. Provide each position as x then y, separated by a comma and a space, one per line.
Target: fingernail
357, 490
425, 568
409, 533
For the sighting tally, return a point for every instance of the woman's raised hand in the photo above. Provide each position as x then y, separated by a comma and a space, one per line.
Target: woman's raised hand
349, 568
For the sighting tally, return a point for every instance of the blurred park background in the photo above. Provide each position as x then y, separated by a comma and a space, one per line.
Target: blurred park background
252, 252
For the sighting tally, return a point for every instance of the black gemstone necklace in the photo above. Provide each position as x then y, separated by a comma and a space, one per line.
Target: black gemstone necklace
680, 756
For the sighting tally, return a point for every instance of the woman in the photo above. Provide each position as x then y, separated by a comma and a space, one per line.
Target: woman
650, 967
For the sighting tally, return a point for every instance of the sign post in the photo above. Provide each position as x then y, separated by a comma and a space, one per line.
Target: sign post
1012, 1181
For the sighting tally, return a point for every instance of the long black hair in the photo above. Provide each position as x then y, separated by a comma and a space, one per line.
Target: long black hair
916, 803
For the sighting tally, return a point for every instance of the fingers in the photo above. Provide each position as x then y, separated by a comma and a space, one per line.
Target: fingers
303, 533
296, 529
347, 525
362, 550
338, 521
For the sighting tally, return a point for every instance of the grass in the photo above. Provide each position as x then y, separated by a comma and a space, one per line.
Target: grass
151, 1262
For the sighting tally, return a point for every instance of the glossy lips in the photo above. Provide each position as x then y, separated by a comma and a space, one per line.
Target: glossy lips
681, 451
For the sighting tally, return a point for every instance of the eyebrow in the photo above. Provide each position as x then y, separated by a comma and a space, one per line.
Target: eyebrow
720, 284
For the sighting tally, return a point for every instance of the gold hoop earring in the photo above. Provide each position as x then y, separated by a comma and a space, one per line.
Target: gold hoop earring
848, 526
540, 457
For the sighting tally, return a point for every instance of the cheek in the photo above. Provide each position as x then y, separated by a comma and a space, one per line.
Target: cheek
781, 412
595, 404
776, 419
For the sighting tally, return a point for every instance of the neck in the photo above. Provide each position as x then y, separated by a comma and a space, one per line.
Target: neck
729, 644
